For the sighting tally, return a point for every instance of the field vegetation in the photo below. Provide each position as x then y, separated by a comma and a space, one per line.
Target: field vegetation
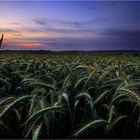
50, 95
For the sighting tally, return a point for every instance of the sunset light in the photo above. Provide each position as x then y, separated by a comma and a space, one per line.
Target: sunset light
70, 25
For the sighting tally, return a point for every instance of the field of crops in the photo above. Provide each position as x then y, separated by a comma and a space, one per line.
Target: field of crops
69, 95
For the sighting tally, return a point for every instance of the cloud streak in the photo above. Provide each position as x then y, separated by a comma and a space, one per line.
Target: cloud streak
40, 21
7, 30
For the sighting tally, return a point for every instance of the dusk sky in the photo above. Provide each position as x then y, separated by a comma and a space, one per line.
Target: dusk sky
73, 25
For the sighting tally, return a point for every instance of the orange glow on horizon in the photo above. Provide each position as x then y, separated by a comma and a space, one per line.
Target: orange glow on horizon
26, 45
30, 45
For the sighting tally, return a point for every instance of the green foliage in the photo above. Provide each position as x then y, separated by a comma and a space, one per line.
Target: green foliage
41, 112
91, 126
69, 95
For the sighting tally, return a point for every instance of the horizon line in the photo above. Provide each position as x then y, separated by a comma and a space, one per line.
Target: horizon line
76, 50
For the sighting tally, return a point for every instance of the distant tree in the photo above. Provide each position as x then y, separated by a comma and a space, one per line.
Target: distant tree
1, 40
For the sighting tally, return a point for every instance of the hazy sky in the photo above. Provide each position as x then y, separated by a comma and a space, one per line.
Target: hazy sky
72, 25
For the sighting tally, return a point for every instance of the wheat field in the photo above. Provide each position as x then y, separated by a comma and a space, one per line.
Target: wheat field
71, 95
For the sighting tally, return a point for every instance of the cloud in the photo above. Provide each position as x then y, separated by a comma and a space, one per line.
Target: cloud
40, 21
76, 24
72, 24
15, 23
110, 39
55, 23
6, 30
67, 35
122, 32
102, 43
125, 37
17, 34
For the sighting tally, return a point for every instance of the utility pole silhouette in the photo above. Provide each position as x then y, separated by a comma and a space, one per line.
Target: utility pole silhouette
1, 40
